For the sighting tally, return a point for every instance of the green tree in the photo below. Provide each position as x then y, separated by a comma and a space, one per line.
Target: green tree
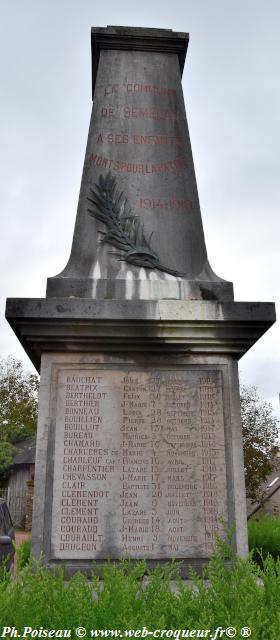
260, 440
18, 407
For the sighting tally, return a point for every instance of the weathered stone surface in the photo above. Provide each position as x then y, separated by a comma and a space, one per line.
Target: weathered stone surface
139, 446
139, 142
139, 464
71, 324
142, 458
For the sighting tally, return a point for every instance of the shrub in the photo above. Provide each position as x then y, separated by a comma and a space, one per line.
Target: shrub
264, 538
240, 596
23, 552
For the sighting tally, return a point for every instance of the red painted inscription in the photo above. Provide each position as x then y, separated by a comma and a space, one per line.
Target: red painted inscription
169, 204
139, 87
179, 164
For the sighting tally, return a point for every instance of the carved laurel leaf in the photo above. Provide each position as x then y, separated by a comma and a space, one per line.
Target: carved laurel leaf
124, 229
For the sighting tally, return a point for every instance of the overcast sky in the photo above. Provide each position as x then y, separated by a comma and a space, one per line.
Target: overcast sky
232, 91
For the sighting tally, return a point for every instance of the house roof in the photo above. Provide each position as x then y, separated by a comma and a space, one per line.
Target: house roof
25, 452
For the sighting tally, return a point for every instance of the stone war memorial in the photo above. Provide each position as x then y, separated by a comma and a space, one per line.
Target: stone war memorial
139, 446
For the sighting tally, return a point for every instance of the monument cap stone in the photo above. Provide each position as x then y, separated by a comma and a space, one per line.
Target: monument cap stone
137, 39
138, 232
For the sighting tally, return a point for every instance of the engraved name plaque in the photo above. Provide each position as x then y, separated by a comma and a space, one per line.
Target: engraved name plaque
139, 463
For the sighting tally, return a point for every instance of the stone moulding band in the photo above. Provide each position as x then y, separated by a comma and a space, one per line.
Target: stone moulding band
69, 324
133, 39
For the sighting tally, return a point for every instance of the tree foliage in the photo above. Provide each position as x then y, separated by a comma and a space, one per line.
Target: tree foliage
260, 434
18, 407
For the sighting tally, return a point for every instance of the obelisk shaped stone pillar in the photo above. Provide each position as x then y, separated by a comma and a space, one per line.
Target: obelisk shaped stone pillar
139, 444
138, 231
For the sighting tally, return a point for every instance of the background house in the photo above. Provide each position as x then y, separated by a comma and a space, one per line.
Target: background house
18, 489
270, 503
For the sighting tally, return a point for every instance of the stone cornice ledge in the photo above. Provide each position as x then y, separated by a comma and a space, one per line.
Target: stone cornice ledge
137, 39
189, 326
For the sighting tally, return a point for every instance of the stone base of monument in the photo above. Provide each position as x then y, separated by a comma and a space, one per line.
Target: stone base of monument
139, 447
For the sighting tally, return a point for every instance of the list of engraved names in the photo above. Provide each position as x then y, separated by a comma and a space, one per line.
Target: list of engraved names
139, 464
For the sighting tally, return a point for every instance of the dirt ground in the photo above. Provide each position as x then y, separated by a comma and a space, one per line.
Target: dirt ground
21, 536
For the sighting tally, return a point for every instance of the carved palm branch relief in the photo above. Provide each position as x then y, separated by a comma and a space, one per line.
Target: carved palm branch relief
123, 229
